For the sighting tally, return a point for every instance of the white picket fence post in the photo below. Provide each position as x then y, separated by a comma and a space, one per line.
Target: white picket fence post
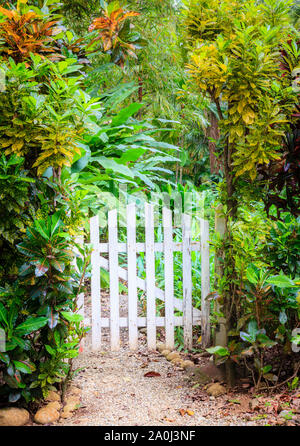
114, 280
187, 282
150, 276
191, 316
132, 273
95, 284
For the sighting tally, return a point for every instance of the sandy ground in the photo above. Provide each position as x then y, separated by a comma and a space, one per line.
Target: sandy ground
116, 392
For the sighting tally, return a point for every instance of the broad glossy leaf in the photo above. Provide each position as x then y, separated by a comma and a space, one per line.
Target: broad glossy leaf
126, 113
218, 350
31, 324
3, 314
26, 367
281, 281
72, 317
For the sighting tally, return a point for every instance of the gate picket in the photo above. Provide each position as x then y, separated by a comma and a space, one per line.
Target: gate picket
150, 276
187, 282
132, 288
95, 284
169, 277
113, 280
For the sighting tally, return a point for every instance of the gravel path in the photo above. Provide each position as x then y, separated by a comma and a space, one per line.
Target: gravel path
116, 392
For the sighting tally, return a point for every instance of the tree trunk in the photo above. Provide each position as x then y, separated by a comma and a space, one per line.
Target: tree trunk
214, 134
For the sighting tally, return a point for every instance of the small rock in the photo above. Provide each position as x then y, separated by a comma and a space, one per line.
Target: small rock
160, 346
46, 415
71, 403
54, 405
165, 352
13, 416
216, 389
213, 372
205, 374
74, 391
177, 361
66, 414
53, 396
143, 330
172, 355
187, 363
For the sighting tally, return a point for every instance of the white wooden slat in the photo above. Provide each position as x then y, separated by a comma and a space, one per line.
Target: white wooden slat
142, 321
169, 277
141, 283
113, 280
132, 274
95, 284
158, 247
187, 281
150, 276
205, 283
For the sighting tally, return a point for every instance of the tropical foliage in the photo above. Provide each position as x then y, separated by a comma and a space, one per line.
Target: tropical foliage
176, 97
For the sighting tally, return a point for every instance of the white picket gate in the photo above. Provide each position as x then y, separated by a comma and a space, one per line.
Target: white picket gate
191, 316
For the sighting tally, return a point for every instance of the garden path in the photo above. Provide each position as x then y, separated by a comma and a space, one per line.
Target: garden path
116, 392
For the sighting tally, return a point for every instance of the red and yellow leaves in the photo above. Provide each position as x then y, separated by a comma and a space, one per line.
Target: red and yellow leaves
25, 33
110, 26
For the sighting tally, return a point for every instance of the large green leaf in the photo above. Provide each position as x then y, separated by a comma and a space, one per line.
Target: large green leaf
126, 113
3, 314
109, 163
218, 350
31, 324
71, 317
42, 229
281, 281
25, 366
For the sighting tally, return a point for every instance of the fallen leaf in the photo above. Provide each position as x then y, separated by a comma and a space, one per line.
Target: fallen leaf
190, 412
168, 419
151, 374
182, 412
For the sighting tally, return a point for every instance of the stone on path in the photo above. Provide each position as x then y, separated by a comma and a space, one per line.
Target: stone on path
13, 416
216, 389
46, 415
